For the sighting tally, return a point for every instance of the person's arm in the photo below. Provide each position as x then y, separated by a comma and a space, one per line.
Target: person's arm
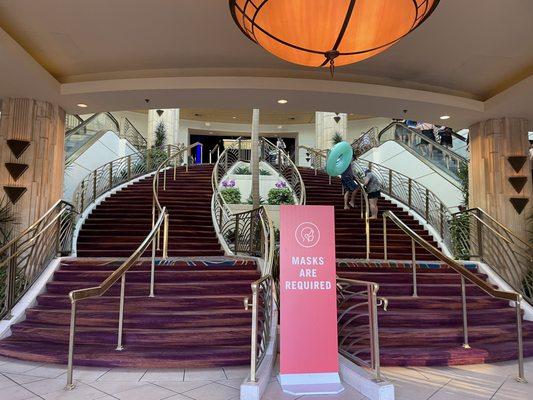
367, 179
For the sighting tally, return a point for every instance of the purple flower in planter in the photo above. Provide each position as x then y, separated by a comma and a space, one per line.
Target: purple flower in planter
281, 185
228, 183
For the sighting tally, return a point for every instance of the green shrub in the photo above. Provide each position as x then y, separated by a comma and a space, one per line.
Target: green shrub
280, 196
231, 195
264, 172
251, 200
244, 170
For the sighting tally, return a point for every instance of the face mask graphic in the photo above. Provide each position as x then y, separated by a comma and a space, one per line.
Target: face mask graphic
308, 235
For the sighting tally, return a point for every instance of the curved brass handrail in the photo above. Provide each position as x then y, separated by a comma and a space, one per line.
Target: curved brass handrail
24, 258
506, 229
96, 291
465, 275
457, 267
34, 225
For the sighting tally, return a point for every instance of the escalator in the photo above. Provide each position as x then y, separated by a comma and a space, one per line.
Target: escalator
447, 159
82, 136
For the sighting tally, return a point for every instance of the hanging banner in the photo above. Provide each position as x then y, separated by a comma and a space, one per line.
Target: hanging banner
308, 354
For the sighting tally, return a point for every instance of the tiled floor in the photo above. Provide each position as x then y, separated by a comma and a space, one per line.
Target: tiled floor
30, 381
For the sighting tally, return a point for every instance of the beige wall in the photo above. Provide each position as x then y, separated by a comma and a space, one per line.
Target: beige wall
43, 125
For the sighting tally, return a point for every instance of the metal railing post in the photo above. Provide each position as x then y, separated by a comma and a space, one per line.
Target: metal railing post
129, 167
94, 184
427, 204
11, 278
121, 312
410, 193
152, 268
465, 320
413, 250
82, 199
110, 175
70, 359
520, 345
165, 237
390, 181
374, 335
253, 353
479, 227
385, 256
237, 219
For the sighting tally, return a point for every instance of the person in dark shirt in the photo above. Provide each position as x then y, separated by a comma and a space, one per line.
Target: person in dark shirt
350, 187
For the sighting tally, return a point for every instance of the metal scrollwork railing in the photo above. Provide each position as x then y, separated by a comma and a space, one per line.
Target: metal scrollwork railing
132, 135
365, 142
119, 171
357, 322
23, 259
465, 275
415, 196
478, 236
251, 233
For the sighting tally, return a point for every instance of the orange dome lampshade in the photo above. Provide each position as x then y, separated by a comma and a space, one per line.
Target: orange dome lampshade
336, 32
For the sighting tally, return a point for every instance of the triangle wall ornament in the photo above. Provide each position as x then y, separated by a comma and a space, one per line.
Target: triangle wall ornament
18, 147
518, 182
519, 203
16, 170
14, 193
517, 162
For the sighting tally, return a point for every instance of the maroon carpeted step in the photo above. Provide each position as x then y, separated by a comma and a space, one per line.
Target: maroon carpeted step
196, 319
120, 223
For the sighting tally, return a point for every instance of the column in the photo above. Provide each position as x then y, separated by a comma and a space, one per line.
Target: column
326, 125
32, 137
254, 158
171, 118
500, 175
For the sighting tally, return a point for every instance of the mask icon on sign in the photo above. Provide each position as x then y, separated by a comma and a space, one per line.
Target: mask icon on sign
308, 235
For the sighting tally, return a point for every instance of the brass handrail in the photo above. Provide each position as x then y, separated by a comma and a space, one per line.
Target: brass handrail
346, 343
262, 289
506, 229
96, 291
465, 275
23, 258
420, 135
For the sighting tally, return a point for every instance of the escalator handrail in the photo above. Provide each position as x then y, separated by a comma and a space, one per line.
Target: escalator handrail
437, 145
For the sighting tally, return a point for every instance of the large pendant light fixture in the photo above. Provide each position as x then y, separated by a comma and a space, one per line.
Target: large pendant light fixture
319, 33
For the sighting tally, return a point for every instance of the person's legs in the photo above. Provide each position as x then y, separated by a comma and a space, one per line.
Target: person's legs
346, 197
352, 200
373, 203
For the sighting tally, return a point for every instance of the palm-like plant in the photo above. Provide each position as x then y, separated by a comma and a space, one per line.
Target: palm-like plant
336, 138
6, 220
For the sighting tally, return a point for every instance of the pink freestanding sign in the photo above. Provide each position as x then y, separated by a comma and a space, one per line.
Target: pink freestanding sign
309, 358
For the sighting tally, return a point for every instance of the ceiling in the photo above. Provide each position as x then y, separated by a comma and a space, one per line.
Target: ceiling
240, 116
468, 50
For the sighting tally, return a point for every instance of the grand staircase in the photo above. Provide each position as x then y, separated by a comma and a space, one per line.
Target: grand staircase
423, 330
350, 227
118, 225
428, 329
196, 318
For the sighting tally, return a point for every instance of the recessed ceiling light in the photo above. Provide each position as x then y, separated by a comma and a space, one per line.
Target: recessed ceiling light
208, 124
234, 117
282, 101
82, 105
445, 117
279, 126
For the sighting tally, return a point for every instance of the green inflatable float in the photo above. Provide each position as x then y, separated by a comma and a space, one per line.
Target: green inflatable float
339, 157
